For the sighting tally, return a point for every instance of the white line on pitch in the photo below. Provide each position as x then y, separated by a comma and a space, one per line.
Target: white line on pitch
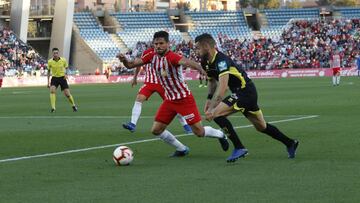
113, 117
129, 143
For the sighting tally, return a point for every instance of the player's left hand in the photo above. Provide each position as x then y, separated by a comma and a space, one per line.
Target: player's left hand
209, 116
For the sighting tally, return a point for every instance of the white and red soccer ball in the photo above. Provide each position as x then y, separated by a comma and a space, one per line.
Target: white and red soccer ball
123, 156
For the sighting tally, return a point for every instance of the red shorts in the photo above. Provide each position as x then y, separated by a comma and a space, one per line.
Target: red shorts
149, 88
1, 82
185, 107
336, 70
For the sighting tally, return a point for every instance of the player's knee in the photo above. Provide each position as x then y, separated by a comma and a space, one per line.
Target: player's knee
200, 132
260, 127
156, 131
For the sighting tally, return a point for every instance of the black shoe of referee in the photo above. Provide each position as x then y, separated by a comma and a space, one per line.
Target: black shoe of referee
75, 109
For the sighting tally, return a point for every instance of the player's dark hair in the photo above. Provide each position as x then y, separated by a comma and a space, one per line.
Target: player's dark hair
162, 34
205, 38
55, 49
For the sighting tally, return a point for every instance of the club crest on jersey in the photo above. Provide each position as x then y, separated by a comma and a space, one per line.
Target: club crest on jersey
222, 66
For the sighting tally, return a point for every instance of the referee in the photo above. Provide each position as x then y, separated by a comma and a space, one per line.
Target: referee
57, 68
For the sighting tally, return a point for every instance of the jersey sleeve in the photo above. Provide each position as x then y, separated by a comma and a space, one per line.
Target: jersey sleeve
147, 57
49, 64
223, 67
66, 65
175, 58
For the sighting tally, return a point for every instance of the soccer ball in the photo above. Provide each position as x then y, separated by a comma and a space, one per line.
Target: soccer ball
123, 156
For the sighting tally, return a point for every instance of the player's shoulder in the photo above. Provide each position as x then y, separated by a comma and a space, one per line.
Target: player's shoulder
171, 53
63, 59
148, 52
221, 61
220, 56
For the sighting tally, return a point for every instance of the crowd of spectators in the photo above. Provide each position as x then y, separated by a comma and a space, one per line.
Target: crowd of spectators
17, 57
305, 44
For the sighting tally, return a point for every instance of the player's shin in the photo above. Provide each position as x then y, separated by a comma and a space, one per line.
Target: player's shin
228, 129
275, 133
71, 100
169, 138
181, 120
52, 100
212, 132
136, 111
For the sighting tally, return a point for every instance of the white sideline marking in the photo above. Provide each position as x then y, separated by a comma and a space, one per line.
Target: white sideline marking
114, 117
133, 142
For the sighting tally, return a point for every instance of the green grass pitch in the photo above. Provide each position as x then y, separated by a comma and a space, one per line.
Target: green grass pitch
326, 169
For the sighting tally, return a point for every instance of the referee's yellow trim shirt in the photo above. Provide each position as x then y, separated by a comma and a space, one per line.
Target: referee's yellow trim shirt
57, 68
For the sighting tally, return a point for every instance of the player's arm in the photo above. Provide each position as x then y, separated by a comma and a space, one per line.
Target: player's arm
134, 81
66, 66
130, 64
223, 85
48, 75
212, 85
192, 64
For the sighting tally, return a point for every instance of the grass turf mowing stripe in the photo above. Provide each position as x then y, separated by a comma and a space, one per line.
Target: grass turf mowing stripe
129, 143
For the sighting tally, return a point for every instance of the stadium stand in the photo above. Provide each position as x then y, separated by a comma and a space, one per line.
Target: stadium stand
140, 26
94, 35
278, 18
17, 57
229, 23
350, 13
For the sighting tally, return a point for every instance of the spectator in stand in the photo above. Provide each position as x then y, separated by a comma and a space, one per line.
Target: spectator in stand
2, 74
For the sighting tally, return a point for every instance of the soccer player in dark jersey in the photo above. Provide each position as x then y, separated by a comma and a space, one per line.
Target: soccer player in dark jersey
224, 74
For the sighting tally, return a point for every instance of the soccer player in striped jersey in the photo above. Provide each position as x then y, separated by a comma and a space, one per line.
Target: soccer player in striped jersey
221, 69
178, 97
335, 62
151, 85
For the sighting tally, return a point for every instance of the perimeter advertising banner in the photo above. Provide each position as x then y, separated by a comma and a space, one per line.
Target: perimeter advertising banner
189, 75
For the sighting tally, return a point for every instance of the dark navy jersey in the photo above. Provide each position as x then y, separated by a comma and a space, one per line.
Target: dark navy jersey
221, 65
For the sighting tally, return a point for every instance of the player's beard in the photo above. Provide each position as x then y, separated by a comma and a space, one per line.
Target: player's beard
205, 57
161, 52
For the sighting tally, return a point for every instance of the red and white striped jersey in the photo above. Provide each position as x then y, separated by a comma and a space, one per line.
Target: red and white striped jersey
150, 75
335, 61
169, 73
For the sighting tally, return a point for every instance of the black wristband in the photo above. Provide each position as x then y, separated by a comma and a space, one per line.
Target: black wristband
210, 96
